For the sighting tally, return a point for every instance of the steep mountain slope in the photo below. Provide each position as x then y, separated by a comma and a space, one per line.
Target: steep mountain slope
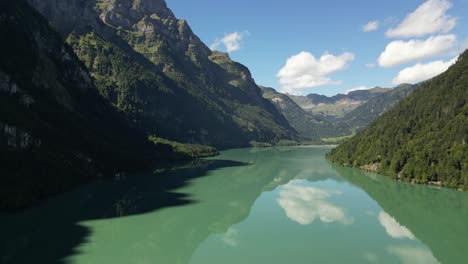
423, 139
306, 124
153, 67
338, 105
55, 129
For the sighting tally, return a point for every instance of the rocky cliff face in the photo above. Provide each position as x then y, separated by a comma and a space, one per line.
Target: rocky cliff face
154, 68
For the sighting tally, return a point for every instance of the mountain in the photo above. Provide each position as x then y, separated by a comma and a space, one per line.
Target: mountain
338, 105
423, 139
55, 128
357, 110
368, 111
306, 124
151, 66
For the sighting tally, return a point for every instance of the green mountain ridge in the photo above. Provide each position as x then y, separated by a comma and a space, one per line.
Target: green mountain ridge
156, 70
423, 138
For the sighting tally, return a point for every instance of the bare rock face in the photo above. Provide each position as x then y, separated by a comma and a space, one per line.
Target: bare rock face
157, 7
127, 13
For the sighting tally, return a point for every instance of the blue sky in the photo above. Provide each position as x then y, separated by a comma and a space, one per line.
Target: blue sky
263, 35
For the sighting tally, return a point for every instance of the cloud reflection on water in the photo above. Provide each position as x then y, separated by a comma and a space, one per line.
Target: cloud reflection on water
393, 228
230, 238
305, 204
413, 255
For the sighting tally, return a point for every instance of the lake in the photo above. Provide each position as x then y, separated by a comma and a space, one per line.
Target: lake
274, 205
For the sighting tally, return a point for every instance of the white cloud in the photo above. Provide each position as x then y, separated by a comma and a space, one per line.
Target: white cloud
304, 205
399, 52
359, 88
422, 72
371, 26
393, 228
429, 18
305, 71
231, 42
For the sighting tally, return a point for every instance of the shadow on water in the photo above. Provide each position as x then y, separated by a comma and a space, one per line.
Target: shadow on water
438, 217
65, 230
51, 232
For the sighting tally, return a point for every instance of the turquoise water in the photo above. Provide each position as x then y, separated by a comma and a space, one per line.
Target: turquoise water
278, 205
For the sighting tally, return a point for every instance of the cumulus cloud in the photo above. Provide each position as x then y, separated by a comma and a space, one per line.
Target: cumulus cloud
399, 52
305, 71
231, 42
422, 72
429, 18
371, 26
359, 88
304, 205
393, 228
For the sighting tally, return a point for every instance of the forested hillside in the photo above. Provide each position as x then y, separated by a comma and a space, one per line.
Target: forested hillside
423, 139
150, 65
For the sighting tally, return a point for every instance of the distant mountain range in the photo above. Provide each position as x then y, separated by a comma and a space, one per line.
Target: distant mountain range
423, 139
338, 105
318, 117
308, 125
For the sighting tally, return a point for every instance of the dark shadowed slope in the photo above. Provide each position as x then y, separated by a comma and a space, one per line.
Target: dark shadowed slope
55, 128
